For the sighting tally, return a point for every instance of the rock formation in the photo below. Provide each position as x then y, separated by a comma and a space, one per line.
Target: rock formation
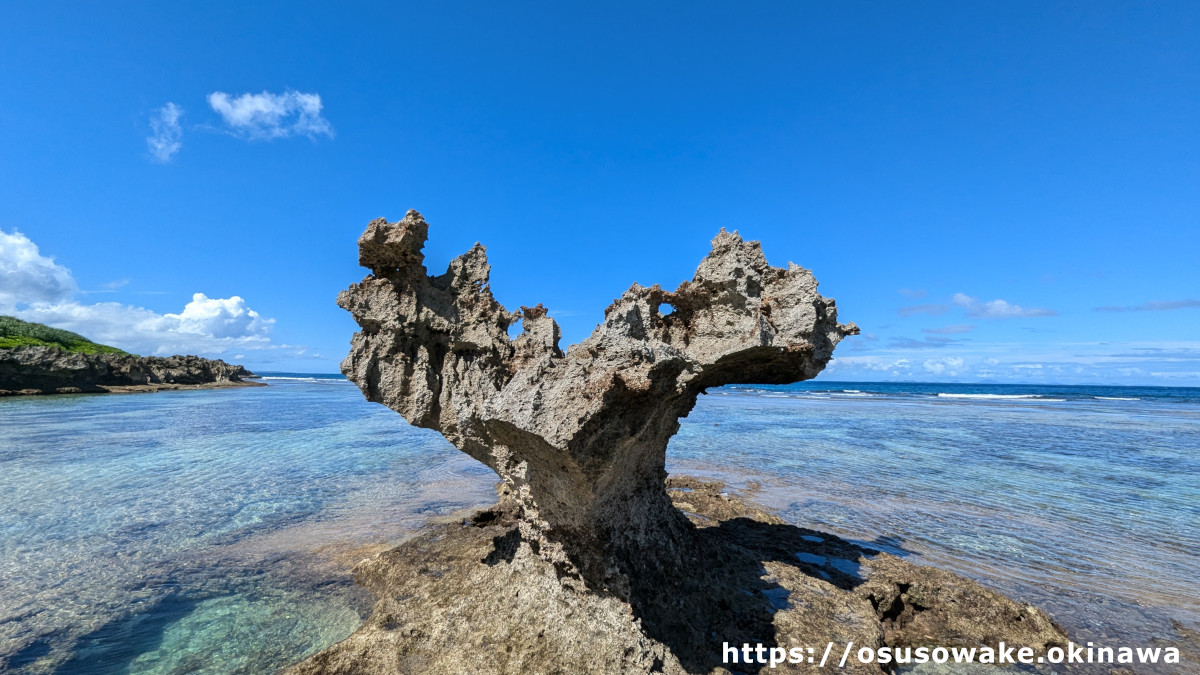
472, 597
48, 370
593, 561
580, 438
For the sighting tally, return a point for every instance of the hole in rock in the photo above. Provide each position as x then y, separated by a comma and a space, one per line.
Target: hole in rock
515, 330
666, 309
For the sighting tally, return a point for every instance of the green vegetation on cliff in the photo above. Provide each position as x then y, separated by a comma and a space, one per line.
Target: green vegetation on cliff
17, 333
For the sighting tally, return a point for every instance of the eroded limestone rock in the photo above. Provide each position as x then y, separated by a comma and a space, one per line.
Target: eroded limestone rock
579, 438
594, 561
474, 597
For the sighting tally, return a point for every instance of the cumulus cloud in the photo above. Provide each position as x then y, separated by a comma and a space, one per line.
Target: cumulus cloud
204, 326
35, 288
28, 276
220, 318
943, 366
1154, 306
166, 134
997, 309
268, 116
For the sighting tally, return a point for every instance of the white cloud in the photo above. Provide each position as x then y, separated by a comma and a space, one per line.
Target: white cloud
220, 318
268, 116
205, 326
28, 276
35, 288
167, 135
943, 366
997, 309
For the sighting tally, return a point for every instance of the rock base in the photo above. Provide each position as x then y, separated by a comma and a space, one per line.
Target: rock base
474, 597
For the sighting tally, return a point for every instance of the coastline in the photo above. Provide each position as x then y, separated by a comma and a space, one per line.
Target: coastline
48, 370
131, 388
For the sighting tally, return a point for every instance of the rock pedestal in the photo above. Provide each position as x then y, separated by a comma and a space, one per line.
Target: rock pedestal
594, 561
579, 438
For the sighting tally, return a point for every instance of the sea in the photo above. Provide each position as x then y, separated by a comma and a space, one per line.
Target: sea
212, 531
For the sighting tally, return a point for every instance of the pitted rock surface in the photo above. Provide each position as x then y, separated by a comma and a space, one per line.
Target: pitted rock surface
594, 561
473, 597
579, 438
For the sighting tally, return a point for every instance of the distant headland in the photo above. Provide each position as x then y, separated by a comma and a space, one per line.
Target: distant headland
38, 359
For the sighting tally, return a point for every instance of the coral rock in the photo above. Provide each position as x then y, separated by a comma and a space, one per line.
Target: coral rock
579, 438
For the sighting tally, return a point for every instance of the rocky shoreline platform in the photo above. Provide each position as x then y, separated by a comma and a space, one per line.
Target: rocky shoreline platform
38, 370
475, 597
593, 561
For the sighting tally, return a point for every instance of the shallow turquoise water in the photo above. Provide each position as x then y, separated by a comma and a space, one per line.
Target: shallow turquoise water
1085, 501
206, 531
174, 532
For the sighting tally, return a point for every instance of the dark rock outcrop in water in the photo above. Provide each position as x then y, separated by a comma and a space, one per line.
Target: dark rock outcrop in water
586, 564
48, 370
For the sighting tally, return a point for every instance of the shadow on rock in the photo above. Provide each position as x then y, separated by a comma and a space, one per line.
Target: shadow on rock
476, 597
587, 565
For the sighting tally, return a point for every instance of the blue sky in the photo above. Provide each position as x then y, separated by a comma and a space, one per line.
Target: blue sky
973, 182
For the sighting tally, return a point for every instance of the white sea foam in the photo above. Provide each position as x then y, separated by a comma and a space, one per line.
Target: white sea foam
303, 379
994, 396
1116, 398
296, 379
